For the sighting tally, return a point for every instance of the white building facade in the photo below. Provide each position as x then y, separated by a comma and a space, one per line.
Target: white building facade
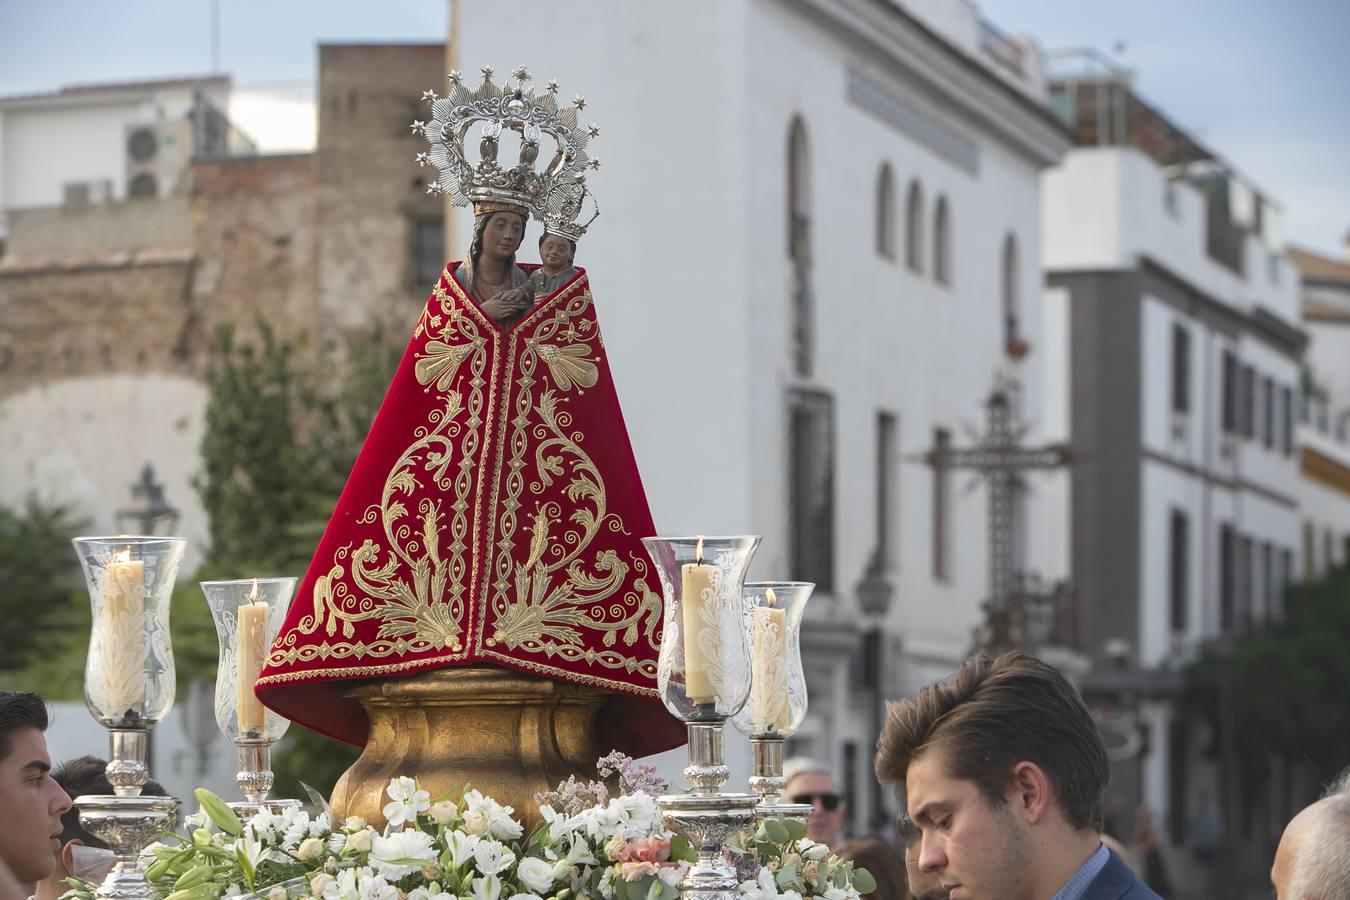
820, 239
1178, 373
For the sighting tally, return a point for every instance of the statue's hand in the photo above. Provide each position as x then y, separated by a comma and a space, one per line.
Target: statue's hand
507, 304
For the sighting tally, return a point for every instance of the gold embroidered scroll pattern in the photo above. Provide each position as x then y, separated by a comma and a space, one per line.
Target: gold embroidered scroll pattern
426, 612
545, 604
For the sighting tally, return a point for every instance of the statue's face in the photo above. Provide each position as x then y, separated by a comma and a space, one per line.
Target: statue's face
503, 234
555, 252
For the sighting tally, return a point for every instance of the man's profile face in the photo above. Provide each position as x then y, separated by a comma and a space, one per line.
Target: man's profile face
977, 851
825, 823
30, 832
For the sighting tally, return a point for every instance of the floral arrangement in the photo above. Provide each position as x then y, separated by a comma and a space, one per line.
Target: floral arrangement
589, 845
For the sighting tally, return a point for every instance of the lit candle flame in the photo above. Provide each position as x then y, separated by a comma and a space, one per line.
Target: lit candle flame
770, 597
698, 550
253, 592
123, 555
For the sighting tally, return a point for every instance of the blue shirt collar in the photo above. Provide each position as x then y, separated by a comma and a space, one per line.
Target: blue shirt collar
1077, 886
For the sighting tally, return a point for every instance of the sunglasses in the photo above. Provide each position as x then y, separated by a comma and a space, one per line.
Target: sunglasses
828, 802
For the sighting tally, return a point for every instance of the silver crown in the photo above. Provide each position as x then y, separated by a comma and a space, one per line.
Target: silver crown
537, 118
563, 209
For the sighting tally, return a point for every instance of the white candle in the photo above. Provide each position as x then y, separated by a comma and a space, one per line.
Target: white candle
117, 640
250, 650
698, 593
768, 662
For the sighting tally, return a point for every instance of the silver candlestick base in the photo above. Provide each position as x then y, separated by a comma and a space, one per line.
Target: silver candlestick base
127, 825
706, 817
255, 780
766, 780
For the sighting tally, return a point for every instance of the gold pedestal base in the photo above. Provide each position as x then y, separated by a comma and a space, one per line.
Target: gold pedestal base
507, 734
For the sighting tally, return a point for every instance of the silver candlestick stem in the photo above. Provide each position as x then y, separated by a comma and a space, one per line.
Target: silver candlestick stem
255, 780
766, 780
706, 817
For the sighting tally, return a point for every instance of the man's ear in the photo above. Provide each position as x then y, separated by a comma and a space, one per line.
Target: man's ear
68, 854
1029, 792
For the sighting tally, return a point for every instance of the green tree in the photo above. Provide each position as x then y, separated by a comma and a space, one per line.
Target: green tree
1288, 679
283, 428
44, 614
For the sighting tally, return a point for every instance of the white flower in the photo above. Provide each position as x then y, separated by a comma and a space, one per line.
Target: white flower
765, 888
277, 893
492, 857
461, 846
406, 801
310, 848
401, 853
485, 816
838, 893
815, 851
354, 823
489, 887
672, 875
535, 874
361, 841
579, 853
319, 883
343, 887
443, 812
525, 897
336, 841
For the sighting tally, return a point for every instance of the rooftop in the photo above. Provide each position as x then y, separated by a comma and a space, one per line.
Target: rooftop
70, 91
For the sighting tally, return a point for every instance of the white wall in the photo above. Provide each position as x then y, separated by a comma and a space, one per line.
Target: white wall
87, 438
1107, 206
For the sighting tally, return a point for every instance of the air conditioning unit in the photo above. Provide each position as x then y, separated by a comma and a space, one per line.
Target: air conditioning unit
157, 157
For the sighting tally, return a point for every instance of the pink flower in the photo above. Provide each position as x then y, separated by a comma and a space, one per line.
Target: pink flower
646, 850
635, 871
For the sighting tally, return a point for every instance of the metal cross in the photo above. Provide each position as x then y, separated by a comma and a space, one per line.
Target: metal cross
999, 459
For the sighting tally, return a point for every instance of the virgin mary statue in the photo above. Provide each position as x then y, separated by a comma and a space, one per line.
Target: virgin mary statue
487, 541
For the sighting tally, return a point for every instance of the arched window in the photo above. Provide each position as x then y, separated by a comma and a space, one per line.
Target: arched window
914, 227
885, 213
942, 253
799, 243
1012, 341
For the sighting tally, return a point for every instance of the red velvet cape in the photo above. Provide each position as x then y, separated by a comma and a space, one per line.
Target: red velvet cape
493, 515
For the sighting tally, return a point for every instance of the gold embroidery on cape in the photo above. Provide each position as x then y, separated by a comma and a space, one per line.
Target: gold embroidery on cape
544, 604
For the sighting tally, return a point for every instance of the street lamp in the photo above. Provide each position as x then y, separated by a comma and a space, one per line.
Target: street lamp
149, 513
875, 592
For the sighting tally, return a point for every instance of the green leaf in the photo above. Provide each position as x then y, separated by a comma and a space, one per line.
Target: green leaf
192, 877
246, 868
787, 875
796, 828
776, 831
681, 850
863, 882
223, 817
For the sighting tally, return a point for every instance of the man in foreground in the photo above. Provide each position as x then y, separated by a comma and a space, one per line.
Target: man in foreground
1313, 859
1002, 770
30, 829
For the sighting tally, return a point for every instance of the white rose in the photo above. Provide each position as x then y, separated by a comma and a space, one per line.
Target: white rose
319, 882
535, 874
817, 852
401, 853
310, 848
360, 842
354, 823
443, 812
277, 893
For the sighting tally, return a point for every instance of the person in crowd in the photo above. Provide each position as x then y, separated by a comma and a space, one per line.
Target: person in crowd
1148, 854
31, 802
82, 855
922, 885
810, 781
1002, 769
883, 862
1312, 861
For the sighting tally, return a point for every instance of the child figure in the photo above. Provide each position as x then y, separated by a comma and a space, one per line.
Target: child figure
556, 254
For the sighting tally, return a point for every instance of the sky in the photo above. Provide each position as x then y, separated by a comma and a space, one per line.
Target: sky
1263, 83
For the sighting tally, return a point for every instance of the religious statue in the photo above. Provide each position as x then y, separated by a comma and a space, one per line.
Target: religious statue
480, 608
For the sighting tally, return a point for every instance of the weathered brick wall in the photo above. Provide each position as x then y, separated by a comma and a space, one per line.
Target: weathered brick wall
369, 187
122, 312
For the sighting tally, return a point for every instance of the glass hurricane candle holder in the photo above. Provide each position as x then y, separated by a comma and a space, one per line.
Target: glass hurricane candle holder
777, 703
703, 675
129, 683
248, 613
